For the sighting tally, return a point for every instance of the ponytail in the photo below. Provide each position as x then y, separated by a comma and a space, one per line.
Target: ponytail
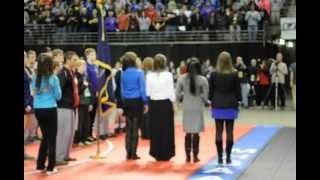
193, 70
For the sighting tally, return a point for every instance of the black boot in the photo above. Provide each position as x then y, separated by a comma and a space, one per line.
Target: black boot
195, 147
219, 151
228, 151
187, 146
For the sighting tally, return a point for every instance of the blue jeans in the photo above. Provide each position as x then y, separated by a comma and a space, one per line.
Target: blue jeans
245, 93
170, 30
252, 33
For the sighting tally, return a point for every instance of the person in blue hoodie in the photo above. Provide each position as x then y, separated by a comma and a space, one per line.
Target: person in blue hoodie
47, 91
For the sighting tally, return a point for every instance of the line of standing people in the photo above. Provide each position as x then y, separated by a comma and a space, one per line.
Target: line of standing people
155, 95
63, 94
258, 81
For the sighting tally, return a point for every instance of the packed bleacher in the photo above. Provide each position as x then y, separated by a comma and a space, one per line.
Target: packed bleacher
153, 15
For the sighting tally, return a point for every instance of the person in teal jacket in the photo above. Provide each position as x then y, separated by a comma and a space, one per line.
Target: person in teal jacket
47, 91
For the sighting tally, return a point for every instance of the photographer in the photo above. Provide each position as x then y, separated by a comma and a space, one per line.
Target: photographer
278, 71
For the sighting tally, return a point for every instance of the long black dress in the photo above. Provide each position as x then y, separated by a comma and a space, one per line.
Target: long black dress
162, 145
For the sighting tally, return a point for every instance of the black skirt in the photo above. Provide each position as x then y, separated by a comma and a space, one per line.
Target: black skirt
162, 145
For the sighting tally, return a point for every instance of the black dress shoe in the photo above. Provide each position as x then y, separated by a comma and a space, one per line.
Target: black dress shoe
70, 159
111, 135
103, 137
135, 157
196, 159
188, 159
229, 160
61, 163
220, 161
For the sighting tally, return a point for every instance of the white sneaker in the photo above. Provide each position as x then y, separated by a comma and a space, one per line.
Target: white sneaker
87, 143
81, 144
54, 171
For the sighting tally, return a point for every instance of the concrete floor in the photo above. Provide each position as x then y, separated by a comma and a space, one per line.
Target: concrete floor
277, 161
256, 116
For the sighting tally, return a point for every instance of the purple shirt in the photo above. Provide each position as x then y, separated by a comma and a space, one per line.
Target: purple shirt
111, 24
205, 11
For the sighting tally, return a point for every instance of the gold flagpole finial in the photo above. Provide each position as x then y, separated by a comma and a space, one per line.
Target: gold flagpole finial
100, 5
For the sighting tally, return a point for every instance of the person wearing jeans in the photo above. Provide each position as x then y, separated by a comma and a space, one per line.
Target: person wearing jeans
245, 89
252, 17
47, 91
242, 74
252, 32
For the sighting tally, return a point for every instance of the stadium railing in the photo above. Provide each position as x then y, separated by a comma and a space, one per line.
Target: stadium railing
48, 35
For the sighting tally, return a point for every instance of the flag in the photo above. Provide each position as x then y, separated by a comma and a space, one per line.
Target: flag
105, 87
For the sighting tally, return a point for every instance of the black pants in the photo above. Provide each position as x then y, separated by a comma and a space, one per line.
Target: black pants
145, 126
92, 119
219, 130
261, 93
281, 94
83, 124
47, 119
133, 110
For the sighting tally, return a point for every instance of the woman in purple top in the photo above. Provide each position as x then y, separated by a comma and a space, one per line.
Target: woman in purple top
111, 22
206, 10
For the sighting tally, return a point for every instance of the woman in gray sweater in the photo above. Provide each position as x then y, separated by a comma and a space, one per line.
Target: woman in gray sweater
192, 90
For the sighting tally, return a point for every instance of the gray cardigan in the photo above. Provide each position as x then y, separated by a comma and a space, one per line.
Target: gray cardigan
193, 105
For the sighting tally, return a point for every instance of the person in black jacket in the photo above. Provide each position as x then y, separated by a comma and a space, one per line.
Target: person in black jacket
243, 76
234, 22
224, 94
83, 21
182, 22
73, 17
85, 107
221, 22
67, 108
196, 21
253, 81
209, 23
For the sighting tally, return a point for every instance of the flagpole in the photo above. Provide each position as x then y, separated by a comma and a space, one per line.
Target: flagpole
98, 152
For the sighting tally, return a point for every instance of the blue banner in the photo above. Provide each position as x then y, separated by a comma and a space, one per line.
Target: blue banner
243, 153
105, 85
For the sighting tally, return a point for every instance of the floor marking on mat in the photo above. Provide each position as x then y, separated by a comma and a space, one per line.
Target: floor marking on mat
243, 154
105, 153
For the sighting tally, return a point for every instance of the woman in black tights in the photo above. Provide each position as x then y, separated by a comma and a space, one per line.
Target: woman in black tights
224, 93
